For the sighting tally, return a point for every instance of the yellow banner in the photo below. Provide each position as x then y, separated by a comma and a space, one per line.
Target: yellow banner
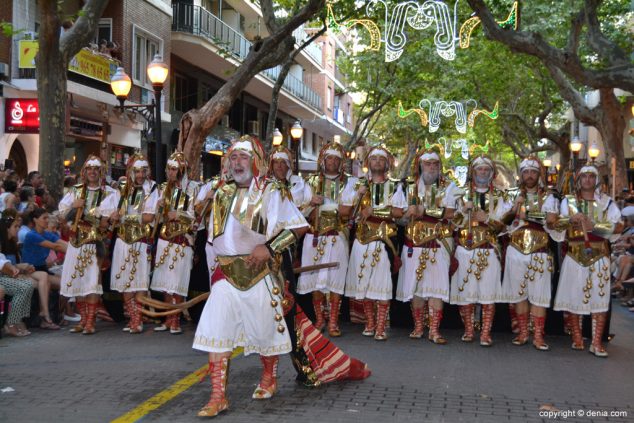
86, 62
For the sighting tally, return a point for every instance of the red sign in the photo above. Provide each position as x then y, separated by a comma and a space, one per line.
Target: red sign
22, 116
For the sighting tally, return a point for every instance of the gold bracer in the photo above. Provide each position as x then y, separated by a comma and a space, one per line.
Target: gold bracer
421, 232
383, 213
562, 224
131, 232
282, 241
435, 212
603, 229
239, 274
481, 235
528, 240
374, 231
577, 250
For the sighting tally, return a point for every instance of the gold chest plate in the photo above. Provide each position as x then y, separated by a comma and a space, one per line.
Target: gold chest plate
576, 250
528, 241
421, 232
373, 231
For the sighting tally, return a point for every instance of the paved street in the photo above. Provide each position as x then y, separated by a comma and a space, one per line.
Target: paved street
62, 377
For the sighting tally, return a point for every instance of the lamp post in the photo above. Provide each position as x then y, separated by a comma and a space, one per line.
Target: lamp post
296, 134
593, 152
575, 147
277, 137
121, 84
547, 162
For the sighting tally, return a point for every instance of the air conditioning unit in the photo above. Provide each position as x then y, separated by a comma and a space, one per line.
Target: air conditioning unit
225, 121
253, 127
4, 70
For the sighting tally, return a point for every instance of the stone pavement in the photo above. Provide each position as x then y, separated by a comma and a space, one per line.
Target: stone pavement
62, 377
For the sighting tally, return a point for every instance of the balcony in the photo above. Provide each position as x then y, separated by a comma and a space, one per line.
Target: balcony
198, 21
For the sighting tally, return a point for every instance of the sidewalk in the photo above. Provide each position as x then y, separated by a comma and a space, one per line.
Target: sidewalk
63, 377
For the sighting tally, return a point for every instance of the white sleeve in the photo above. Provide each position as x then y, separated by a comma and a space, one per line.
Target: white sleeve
349, 192
502, 208
110, 203
280, 212
3, 261
67, 202
452, 195
399, 199
151, 203
557, 236
551, 205
298, 190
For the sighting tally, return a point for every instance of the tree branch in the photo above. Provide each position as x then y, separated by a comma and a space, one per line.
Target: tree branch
268, 15
82, 30
599, 43
572, 96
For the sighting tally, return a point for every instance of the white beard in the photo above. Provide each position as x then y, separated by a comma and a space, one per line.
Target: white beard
244, 177
430, 178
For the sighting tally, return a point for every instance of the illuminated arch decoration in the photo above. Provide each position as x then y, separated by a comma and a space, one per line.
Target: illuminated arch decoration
512, 21
369, 25
460, 170
441, 108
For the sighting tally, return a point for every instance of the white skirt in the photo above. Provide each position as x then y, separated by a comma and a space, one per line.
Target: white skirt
78, 282
435, 277
130, 271
572, 281
487, 290
172, 276
333, 279
233, 318
375, 282
536, 291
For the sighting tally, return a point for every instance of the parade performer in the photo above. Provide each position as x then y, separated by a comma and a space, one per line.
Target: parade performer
529, 262
88, 205
378, 202
478, 278
586, 221
252, 223
132, 257
174, 253
327, 240
428, 248
280, 168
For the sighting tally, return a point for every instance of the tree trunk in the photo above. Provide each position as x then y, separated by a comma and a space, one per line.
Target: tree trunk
611, 126
51, 95
275, 97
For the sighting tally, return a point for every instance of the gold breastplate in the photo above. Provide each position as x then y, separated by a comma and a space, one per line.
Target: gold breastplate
481, 235
88, 226
134, 231
422, 231
529, 240
177, 201
231, 199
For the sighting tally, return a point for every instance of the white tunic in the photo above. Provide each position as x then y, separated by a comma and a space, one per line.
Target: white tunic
134, 275
488, 289
365, 280
574, 276
80, 273
231, 317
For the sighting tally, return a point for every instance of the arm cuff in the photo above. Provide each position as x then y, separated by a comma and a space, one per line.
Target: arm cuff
282, 241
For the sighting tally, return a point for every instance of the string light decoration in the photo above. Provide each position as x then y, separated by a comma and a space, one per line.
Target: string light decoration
460, 162
369, 25
511, 22
441, 108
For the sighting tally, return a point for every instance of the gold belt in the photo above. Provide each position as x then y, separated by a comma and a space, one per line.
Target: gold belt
239, 274
576, 250
329, 221
480, 235
86, 234
528, 241
173, 229
421, 232
374, 231
134, 232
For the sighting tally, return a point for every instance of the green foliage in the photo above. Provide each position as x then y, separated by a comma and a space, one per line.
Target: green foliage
7, 29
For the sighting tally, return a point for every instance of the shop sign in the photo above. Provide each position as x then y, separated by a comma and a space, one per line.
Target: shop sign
22, 116
86, 62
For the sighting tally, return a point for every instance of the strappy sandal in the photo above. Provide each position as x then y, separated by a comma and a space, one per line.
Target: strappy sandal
48, 324
16, 331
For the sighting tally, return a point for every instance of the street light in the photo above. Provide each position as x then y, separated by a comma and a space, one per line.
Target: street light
593, 151
121, 84
277, 137
547, 163
575, 147
296, 134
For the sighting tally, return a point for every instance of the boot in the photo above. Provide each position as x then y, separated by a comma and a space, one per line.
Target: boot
318, 305
522, 337
126, 314
175, 323
333, 320
466, 314
218, 372
515, 327
370, 322
434, 327
419, 322
598, 326
381, 321
136, 321
575, 328
538, 336
91, 314
488, 311
81, 308
567, 323
268, 382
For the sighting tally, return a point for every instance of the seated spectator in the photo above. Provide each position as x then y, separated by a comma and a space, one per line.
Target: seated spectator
20, 291
8, 198
39, 242
25, 227
27, 200
9, 224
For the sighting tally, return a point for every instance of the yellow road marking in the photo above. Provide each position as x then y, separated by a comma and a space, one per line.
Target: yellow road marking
166, 395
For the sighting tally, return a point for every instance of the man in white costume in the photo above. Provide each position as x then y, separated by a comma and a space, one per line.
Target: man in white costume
131, 260
426, 255
529, 262
252, 222
174, 251
586, 221
92, 203
328, 238
379, 201
280, 168
478, 278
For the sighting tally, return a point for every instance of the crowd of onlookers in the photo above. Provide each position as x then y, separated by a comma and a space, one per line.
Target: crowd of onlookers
623, 256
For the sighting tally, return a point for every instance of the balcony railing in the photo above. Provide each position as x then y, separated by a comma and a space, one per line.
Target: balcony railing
199, 21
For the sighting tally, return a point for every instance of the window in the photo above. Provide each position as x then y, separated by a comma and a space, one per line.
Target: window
144, 47
315, 147
328, 98
103, 31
